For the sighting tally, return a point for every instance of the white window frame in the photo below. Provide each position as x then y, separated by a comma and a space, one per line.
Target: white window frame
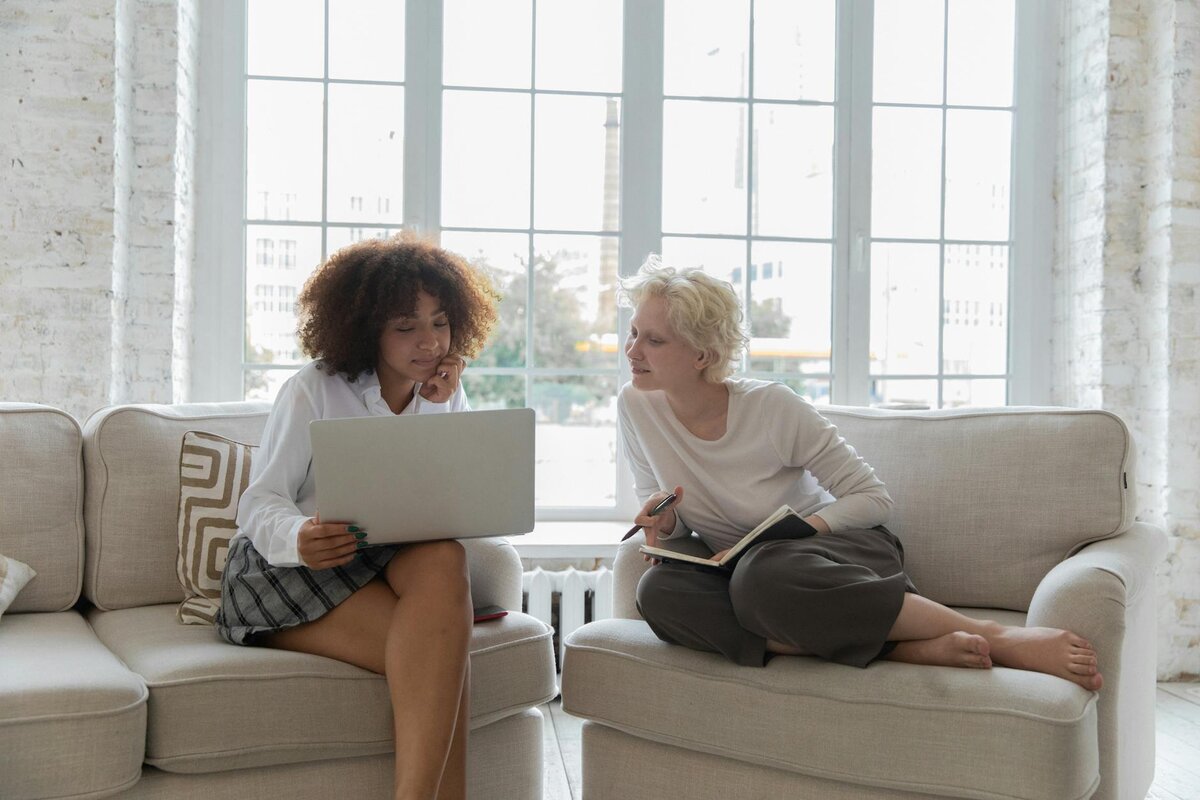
219, 334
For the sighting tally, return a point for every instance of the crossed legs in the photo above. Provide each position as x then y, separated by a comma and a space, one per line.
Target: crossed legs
927, 632
412, 625
840, 597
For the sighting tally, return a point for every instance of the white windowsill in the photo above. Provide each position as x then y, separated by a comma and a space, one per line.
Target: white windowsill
570, 540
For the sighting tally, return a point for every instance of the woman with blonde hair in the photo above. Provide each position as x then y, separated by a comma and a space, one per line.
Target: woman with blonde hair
735, 449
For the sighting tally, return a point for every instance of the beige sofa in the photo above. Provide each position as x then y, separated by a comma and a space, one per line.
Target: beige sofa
111, 695
1020, 515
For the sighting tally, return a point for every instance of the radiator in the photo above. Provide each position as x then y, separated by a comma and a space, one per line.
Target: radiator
566, 599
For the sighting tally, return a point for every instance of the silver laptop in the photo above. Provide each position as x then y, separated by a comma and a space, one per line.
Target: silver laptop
416, 477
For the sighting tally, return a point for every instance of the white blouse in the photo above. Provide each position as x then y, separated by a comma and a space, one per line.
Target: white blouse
282, 494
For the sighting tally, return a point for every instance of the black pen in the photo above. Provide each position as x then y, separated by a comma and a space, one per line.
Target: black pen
654, 512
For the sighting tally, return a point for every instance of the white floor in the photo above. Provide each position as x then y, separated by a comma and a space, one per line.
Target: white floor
1176, 776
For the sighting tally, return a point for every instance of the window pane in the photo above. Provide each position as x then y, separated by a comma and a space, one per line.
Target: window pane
579, 45
366, 153
278, 261
906, 173
337, 237
909, 40
814, 390
904, 394
504, 257
283, 150
956, 394
488, 392
704, 167
485, 159
793, 173
979, 59
487, 43
285, 37
978, 157
263, 384
574, 301
975, 340
576, 433
904, 309
577, 166
791, 300
721, 258
794, 49
705, 46
366, 39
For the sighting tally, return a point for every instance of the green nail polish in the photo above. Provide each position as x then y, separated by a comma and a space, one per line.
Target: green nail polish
354, 529
361, 545
360, 535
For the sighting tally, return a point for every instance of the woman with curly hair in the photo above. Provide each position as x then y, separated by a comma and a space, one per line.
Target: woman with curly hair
388, 324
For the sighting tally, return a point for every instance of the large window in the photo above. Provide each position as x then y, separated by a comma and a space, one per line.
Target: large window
850, 167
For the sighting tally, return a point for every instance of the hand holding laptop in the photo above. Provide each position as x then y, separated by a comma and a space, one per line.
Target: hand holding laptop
329, 544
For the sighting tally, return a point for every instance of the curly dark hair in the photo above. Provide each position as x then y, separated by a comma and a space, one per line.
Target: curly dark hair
360, 288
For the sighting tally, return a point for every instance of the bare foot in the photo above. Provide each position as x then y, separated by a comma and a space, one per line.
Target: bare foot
957, 649
782, 649
1049, 650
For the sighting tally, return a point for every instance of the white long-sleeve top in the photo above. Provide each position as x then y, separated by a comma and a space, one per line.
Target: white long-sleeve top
777, 449
282, 493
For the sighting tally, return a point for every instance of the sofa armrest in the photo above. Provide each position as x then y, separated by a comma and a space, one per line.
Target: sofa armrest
495, 571
1087, 591
1106, 594
628, 567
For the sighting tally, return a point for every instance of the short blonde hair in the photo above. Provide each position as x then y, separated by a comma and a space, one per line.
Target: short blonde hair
703, 311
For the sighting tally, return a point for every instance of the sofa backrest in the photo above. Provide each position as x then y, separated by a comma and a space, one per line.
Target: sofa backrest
988, 501
41, 502
131, 462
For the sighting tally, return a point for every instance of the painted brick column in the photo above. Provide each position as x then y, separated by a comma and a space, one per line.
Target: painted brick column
1126, 328
97, 149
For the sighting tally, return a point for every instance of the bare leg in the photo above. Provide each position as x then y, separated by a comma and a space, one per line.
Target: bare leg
926, 624
454, 776
418, 638
433, 623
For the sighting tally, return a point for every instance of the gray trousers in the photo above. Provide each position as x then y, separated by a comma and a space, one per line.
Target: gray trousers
834, 595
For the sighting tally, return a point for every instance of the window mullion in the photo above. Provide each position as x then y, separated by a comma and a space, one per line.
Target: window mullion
423, 116
219, 336
1032, 205
641, 166
852, 220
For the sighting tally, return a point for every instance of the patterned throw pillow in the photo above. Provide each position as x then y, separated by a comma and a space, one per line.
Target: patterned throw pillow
13, 577
213, 473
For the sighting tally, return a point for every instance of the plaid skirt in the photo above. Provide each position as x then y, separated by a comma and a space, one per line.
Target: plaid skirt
257, 598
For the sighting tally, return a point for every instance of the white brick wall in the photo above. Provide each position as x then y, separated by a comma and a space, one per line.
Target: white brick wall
57, 87
1127, 331
95, 206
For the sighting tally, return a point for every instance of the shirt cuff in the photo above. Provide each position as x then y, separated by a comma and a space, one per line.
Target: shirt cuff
285, 550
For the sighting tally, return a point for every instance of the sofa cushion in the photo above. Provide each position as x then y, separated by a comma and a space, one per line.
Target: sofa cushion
988, 501
213, 473
216, 706
131, 458
894, 725
41, 502
72, 717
